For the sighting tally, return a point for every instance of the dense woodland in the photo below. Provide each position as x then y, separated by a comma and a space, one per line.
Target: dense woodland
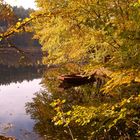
88, 37
23, 39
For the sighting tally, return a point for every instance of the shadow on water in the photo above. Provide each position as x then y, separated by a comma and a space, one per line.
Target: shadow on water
41, 111
86, 95
9, 74
21, 85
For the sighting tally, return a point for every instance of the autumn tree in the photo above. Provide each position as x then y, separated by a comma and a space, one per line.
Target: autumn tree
97, 34
6, 16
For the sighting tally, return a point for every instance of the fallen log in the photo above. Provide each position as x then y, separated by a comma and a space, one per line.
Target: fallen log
77, 79
69, 81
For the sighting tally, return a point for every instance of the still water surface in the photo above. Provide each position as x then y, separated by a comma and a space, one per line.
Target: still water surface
22, 93
13, 118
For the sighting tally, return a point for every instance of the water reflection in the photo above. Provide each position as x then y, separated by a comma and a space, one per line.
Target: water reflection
14, 74
13, 119
41, 111
17, 86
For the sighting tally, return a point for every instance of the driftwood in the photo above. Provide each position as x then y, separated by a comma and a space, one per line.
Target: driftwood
77, 80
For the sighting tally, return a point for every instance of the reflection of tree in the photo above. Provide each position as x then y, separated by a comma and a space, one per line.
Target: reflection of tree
18, 74
84, 96
41, 111
76, 95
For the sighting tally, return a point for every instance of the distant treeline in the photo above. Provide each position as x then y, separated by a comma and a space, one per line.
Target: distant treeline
23, 39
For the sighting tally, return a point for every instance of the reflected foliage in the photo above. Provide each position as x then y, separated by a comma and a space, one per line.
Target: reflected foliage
41, 111
9, 74
88, 114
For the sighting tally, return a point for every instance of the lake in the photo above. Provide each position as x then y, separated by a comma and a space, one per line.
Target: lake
25, 98
16, 89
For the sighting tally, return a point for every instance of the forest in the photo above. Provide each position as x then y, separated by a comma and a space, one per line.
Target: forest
23, 39
92, 39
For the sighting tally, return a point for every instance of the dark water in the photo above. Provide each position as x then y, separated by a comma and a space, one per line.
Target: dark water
17, 87
25, 98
